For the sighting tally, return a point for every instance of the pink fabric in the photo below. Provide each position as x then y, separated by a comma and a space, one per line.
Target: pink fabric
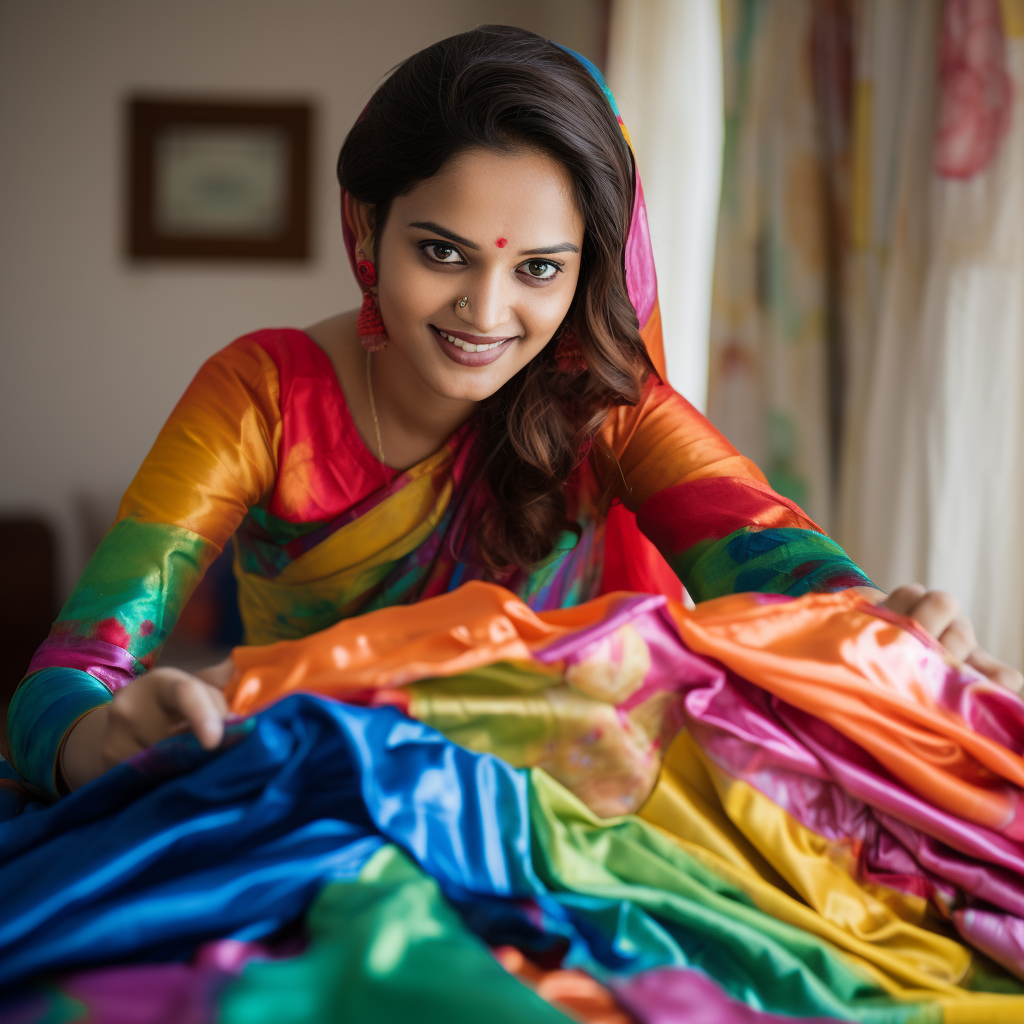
110, 664
677, 995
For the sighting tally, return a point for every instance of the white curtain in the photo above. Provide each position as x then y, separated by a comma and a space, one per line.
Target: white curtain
665, 69
934, 484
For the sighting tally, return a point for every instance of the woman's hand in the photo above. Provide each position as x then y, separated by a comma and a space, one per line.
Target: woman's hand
161, 703
939, 613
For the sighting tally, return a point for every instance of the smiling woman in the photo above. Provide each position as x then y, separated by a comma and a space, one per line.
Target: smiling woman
523, 150
496, 410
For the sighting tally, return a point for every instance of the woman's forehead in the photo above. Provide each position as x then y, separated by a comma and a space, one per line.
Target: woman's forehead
497, 198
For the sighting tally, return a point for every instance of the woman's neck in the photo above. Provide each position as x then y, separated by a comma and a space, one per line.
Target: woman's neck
414, 421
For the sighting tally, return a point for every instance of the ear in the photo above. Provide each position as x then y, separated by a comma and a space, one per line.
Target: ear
361, 220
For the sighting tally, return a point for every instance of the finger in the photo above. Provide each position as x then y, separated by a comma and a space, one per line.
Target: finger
936, 611
218, 675
201, 705
997, 671
902, 599
958, 638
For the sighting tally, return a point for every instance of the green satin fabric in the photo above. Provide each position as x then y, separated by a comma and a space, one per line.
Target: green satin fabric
663, 903
388, 948
385, 949
135, 585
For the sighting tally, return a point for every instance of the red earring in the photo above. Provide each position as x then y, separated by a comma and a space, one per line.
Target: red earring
366, 272
568, 355
373, 335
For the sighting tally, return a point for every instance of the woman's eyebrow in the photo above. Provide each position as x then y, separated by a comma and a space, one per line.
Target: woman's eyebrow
429, 225
549, 249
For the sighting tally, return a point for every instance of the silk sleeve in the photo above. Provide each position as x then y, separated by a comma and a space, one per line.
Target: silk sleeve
710, 511
214, 459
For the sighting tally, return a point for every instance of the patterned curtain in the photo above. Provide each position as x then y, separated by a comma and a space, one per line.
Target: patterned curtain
867, 341
775, 376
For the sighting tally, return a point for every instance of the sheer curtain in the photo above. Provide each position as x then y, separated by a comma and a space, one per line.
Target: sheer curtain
934, 476
775, 384
665, 69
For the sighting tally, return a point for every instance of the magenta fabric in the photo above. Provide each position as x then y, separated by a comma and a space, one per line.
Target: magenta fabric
674, 995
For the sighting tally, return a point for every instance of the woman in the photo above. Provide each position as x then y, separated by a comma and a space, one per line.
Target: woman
495, 410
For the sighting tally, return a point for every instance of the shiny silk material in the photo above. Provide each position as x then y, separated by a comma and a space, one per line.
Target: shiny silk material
847, 753
262, 447
787, 858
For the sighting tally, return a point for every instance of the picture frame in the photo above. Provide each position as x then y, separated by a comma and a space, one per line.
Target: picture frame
212, 179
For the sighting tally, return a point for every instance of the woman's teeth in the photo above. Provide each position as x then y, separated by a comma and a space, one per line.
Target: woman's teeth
468, 346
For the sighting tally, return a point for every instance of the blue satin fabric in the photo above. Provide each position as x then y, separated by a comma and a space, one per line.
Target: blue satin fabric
180, 845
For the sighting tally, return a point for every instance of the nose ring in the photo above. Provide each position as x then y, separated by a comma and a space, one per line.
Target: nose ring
463, 301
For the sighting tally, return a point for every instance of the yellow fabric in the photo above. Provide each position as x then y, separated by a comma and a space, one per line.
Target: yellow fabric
339, 570
800, 878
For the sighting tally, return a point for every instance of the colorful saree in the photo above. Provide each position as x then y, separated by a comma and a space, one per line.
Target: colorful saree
262, 447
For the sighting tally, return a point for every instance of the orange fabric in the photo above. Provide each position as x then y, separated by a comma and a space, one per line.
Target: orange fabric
578, 993
652, 337
475, 625
816, 654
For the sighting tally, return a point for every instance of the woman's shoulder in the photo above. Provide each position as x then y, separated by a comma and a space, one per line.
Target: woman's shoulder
291, 352
660, 402
275, 364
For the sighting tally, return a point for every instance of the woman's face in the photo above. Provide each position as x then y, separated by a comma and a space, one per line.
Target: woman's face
501, 230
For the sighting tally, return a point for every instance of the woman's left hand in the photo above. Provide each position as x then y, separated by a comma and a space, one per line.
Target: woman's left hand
939, 613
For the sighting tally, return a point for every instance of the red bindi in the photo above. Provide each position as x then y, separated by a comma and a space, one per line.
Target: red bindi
501, 243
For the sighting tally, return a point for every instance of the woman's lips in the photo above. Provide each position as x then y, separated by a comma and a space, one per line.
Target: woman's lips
464, 358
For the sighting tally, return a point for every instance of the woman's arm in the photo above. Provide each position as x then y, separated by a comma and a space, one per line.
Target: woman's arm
155, 705
710, 511
213, 460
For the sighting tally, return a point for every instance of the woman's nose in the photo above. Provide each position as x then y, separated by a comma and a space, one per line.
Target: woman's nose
488, 308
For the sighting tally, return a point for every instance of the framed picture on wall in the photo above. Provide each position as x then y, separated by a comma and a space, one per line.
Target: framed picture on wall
218, 180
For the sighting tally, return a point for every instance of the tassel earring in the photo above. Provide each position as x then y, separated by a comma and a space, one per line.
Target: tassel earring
568, 355
373, 335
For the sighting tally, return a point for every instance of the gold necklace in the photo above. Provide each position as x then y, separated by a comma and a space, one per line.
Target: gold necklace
373, 407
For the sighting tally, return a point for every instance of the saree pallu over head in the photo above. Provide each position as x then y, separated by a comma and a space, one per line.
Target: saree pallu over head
262, 448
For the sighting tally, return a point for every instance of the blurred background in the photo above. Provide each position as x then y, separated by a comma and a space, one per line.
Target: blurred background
836, 195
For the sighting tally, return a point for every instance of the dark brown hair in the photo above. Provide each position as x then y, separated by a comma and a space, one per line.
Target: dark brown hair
502, 89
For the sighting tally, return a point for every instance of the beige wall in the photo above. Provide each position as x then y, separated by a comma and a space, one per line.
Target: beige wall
96, 350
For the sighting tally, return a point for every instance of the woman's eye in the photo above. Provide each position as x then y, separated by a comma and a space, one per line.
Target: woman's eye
540, 270
443, 253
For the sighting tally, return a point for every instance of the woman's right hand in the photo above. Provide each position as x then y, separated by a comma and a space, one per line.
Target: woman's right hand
160, 703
